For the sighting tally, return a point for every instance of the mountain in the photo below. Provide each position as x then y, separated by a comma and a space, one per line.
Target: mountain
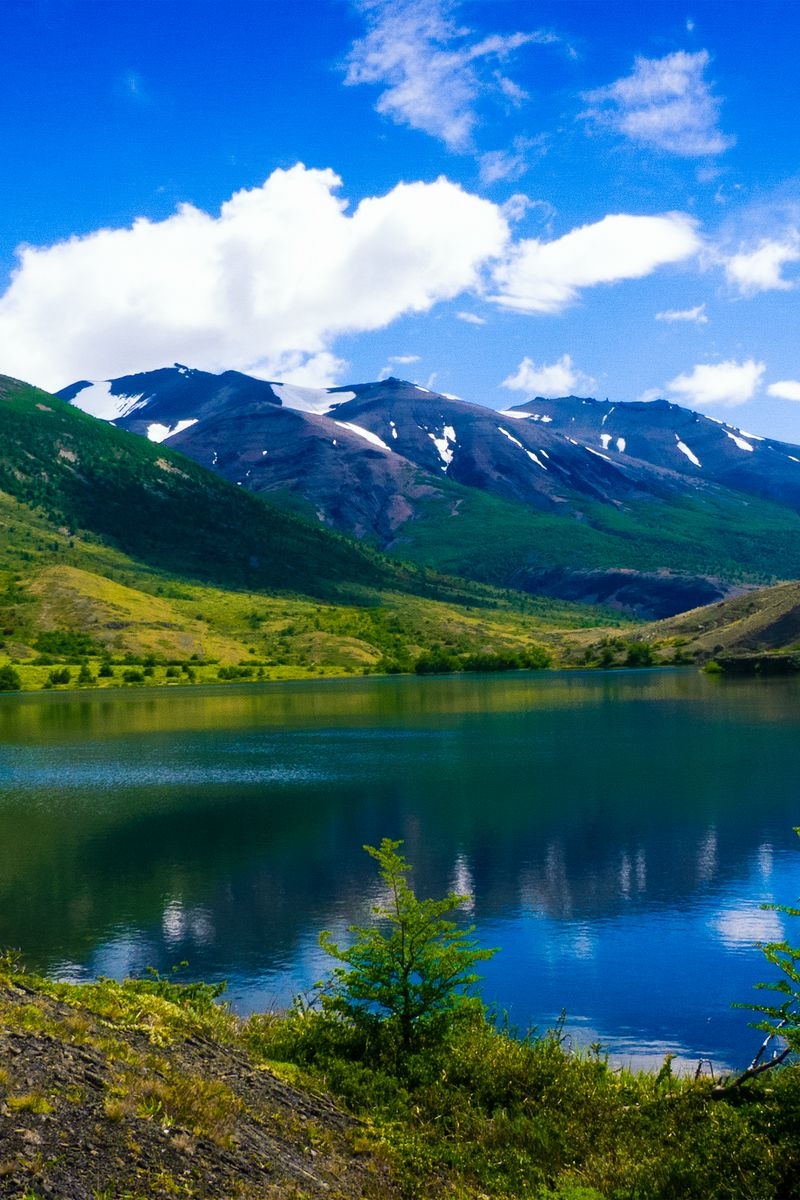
162, 508
645, 505
111, 545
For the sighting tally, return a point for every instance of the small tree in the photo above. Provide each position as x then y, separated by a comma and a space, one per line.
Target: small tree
9, 679
412, 970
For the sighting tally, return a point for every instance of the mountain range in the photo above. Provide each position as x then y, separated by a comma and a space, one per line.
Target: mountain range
113, 545
647, 506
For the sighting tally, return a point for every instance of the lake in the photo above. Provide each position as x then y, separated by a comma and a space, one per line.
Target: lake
615, 833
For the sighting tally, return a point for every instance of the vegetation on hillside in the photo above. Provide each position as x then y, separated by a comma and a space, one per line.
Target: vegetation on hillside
170, 575
718, 533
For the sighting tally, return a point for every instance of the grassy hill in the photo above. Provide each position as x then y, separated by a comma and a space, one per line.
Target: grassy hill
759, 622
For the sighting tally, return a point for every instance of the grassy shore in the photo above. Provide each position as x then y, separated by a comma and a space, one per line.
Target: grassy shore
152, 1089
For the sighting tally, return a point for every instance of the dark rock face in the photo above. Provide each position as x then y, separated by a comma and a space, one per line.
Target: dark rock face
368, 459
638, 593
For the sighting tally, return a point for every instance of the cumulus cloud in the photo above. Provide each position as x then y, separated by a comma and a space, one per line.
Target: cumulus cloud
547, 276
265, 286
665, 104
696, 315
727, 383
549, 379
760, 269
432, 70
785, 389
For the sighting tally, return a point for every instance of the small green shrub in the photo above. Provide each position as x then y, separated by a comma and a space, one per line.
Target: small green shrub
412, 971
9, 679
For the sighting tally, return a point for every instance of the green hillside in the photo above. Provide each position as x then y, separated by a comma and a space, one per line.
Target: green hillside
121, 562
160, 508
713, 532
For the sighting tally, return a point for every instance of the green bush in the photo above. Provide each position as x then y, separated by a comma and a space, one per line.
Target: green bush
9, 679
66, 643
639, 655
436, 662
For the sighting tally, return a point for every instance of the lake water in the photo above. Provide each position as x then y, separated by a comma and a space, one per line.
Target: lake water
616, 834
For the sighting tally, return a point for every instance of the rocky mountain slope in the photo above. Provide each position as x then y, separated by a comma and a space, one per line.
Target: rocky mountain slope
546, 453
571, 497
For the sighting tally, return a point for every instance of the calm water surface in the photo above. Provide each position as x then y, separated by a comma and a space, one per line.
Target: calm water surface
615, 833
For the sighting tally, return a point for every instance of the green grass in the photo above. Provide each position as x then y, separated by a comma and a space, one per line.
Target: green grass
492, 1115
481, 1114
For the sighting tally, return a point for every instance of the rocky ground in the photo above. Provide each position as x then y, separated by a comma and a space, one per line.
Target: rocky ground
94, 1108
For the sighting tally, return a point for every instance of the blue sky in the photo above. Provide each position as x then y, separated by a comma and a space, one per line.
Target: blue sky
495, 199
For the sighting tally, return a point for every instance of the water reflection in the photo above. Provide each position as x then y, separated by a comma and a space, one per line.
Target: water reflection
620, 875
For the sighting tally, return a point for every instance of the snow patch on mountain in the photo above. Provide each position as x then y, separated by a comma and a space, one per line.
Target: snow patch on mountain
312, 400
160, 433
365, 433
684, 449
740, 442
96, 400
517, 414
445, 443
510, 438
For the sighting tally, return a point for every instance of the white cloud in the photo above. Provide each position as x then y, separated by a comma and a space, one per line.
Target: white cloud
548, 380
727, 383
501, 164
321, 370
397, 360
265, 286
696, 315
785, 389
431, 73
665, 104
759, 270
547, 276
498, 165
471, 318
